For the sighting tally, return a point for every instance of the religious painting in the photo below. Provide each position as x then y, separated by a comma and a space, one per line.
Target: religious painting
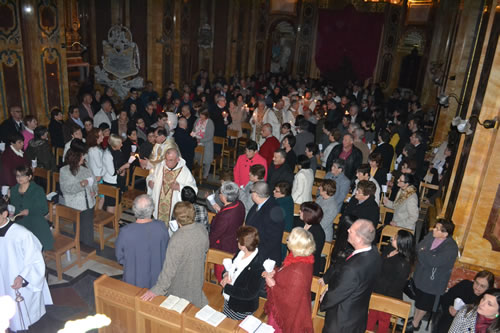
284, 7
492, 231
283, 41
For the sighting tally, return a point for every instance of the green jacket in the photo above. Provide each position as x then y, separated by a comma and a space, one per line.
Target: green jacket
35, 201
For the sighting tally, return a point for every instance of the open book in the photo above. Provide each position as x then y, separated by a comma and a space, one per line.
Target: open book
174, 303
254, 325
210, 316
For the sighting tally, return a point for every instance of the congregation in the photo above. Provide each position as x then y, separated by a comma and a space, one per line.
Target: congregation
318, 163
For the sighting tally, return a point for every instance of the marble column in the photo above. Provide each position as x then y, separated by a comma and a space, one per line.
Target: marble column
465, 44
480, 183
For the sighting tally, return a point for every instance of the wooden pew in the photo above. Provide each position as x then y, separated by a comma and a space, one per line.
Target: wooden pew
152, 318
116, 299
190, 324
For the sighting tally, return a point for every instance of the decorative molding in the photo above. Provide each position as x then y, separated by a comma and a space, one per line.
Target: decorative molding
51, 56
48, 21
10, 58
10, 34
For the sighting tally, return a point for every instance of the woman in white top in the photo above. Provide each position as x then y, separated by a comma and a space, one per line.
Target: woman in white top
94, 157
303, 181
114, 165
242, 279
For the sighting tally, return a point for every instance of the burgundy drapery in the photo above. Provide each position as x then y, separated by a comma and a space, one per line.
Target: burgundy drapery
348, 34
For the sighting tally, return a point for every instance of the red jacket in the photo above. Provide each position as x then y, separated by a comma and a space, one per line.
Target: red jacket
224, 226
242, 168
268, 148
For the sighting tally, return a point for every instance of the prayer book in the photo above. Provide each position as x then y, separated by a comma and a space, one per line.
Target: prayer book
210, 316
253, 325
174, 303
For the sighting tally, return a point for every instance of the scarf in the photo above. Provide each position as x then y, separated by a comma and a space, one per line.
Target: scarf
199, 128
290, 259
404, 194
482, 323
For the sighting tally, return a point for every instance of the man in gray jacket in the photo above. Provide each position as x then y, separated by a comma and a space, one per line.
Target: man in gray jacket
183, 270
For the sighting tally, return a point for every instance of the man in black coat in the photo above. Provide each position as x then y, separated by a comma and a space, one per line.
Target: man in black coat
220, 115
385, 149
349, 288
417, 140
186, 142
279, 171
267, 216
352, 156
12, 125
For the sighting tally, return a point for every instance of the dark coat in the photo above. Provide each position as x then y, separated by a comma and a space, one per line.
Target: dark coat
394, 274
225, 225
349, 290
420, 159
351, 164
84, 114
387, 152
270, 223
7, 129
244, 292
368, 209
319, 239
56, 134
433, 269
381, 176
216, 116
40, 150
281, 174
186, 144
68, 124
9, 162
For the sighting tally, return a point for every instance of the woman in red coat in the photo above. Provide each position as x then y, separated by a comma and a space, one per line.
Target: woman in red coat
289, 288
226, 223
12, 157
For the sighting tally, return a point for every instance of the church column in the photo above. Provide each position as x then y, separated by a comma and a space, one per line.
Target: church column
252, 37
465, 45
476, 206
154, 48
177, 43
445, 23
42, 26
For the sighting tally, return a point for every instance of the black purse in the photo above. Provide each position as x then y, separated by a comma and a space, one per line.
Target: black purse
410, 288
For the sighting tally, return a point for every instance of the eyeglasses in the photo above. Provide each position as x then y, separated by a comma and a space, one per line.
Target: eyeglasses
481, 285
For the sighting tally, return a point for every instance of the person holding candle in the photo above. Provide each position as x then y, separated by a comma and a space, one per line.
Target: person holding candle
242, 280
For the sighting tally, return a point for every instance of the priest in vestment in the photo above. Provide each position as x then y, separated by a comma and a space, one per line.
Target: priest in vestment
165, 183
162, 144
22, 268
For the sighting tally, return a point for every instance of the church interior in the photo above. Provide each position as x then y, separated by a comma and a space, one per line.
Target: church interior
440, 56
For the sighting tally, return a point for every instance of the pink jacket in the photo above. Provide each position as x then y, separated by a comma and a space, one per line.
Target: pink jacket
27, 138
242, 168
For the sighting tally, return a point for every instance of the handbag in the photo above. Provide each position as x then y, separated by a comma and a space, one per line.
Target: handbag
410, 288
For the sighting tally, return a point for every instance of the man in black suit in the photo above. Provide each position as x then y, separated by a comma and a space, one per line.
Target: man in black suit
267, 216
14, 124
417, 140
385, 149
185, 141
279, 171
349, 288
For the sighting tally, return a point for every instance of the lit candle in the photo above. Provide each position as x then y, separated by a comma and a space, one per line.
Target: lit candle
346, 113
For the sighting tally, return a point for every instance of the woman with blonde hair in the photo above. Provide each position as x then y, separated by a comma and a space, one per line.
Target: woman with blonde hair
289, 287
115, 165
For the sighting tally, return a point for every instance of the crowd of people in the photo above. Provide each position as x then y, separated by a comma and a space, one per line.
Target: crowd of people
377, 149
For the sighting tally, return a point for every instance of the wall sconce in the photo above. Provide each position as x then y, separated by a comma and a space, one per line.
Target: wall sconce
444, 100
464, 126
